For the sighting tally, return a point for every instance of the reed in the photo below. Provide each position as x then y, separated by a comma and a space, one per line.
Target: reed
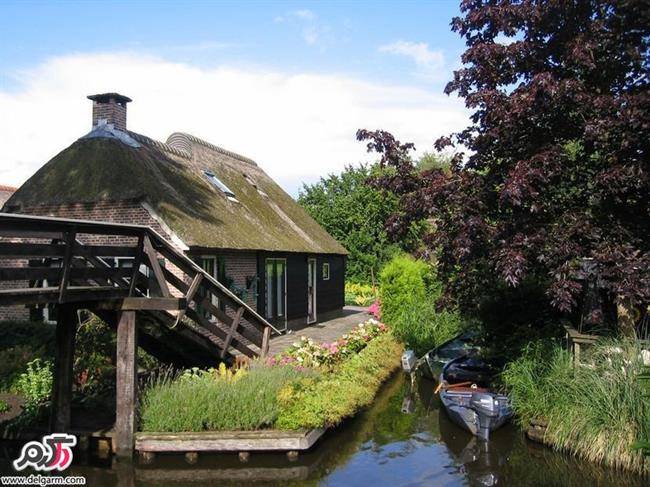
595, 410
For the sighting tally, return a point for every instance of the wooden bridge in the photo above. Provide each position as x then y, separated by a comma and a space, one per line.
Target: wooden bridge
152, 294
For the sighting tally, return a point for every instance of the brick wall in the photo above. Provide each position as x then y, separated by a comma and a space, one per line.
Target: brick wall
111, 112
239, 267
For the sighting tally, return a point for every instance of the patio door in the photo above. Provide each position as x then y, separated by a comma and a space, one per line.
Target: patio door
311, 290
276, 292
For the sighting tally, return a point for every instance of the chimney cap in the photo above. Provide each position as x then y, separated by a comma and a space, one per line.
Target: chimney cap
106, 97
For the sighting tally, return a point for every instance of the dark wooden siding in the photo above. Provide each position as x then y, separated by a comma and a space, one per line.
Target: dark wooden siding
330, 293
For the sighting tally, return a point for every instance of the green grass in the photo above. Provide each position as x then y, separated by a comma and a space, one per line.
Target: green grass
326, 400
210, 402
595, 410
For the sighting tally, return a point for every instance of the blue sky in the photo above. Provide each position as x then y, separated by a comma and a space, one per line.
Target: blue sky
387, 61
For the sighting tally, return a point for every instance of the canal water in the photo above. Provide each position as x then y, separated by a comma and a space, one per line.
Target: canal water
404, 439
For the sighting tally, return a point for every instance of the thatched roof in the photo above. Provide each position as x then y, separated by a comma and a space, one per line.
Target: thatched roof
170, 177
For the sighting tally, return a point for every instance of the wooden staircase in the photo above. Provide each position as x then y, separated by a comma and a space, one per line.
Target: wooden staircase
108, 268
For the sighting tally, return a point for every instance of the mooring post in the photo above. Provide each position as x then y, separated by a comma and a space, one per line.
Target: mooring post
127, 383
66, 329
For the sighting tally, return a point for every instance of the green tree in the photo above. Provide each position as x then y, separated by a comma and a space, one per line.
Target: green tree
355, 213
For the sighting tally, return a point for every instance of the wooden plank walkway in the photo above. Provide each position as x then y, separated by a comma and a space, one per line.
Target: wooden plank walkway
222, 441
327, 331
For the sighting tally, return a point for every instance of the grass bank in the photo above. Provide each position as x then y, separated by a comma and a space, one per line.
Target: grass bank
595, 410
215, 400
310, 385
325, 400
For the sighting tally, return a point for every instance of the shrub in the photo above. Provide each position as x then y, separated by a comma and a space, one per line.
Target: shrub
359, 294
323, 401
4, 406
214, 400
408, 293
35, 383
595, 409
423, 328
20, 343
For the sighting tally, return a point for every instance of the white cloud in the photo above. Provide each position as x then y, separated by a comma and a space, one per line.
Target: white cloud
429, 62
298, 127
304, 14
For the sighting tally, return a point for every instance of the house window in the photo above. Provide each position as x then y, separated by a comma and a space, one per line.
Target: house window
326, 272
217, 183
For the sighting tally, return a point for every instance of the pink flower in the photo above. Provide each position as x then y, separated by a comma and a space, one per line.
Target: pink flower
375, 309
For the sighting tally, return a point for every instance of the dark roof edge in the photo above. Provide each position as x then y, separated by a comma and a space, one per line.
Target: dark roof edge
187, 153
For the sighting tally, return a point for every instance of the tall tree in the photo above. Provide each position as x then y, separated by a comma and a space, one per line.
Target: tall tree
556, 174
355, 213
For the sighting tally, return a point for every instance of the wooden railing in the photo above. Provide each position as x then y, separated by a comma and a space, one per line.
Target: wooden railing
114, 267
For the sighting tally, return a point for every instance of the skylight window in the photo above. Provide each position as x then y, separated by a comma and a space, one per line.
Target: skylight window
217, 183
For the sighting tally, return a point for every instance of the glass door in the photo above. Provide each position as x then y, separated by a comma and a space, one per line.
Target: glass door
311, 290
276, 291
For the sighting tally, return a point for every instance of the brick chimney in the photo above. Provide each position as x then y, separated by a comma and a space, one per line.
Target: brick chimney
110, 107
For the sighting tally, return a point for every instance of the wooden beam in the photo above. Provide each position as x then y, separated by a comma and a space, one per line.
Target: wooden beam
19, 249
141, 304
43, 295
18, 233
136, 265
127, 383
189, 296
155, 266
66, 329
266, 338
219, 333
231, 331
55, 273
65, 277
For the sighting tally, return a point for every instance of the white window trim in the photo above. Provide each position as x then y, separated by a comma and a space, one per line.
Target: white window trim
315, 281
326, 265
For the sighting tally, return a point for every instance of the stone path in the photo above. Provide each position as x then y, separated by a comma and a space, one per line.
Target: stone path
327, 331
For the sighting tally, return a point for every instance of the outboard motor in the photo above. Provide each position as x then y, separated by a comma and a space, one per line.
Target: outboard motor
409, 361
487, 408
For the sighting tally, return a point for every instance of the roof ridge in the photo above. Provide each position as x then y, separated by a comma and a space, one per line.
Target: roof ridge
215, 148
159, 145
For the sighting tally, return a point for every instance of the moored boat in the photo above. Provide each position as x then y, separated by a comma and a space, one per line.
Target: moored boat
432, 362
469, 402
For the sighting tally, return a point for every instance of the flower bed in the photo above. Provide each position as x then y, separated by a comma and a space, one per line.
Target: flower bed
327, 382
325, 400
307, 353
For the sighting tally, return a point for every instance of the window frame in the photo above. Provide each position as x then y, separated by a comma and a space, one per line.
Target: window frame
326, 275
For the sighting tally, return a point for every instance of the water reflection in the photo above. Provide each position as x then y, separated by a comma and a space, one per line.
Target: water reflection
404, 439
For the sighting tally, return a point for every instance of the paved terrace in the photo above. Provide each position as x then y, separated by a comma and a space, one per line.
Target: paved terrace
327, 331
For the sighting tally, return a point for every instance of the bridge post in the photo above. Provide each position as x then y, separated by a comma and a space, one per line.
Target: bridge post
66, 330
127, 383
